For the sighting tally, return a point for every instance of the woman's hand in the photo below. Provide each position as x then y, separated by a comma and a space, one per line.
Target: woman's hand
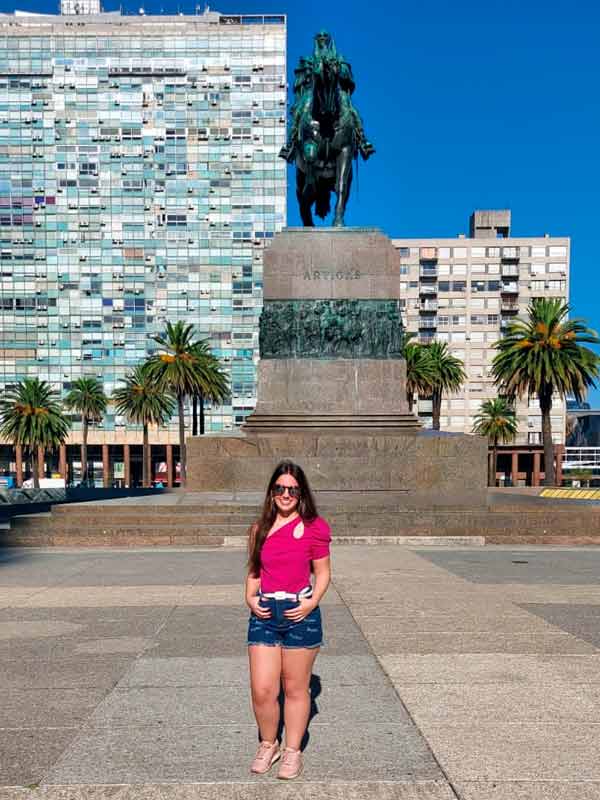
307, 604
253, 604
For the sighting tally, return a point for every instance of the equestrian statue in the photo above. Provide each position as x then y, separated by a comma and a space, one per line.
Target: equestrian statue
326, 131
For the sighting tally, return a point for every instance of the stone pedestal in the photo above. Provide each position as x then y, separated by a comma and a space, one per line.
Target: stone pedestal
331, 389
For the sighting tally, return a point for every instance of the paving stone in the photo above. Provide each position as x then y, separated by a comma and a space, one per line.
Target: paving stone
131, 617
202, 671
484, 622
475, 668
26, 755
157, 753
579, 619
521, 751
176, 569
39, 629
528, 790
26, 568
229, 705
74, 671
119, 644
46, 708
82, 624
465, 703
478, 643
170, 645
299, 789
139, 595
487, 566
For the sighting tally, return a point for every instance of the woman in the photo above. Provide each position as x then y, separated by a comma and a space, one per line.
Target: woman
284, 630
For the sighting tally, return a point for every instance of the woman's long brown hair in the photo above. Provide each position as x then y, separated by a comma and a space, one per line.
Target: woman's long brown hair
258, 532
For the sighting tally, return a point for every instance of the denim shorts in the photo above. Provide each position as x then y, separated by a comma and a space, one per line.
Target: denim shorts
279, 631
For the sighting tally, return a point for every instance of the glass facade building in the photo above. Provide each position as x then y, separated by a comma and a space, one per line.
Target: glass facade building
139, 183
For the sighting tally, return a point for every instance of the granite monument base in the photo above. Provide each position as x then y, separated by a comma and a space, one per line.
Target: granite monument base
411, 469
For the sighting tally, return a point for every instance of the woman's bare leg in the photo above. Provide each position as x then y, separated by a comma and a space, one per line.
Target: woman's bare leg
297, 664
265, 682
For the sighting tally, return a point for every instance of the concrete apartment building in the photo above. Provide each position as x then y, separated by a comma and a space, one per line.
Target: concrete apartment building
139, 183
465, 290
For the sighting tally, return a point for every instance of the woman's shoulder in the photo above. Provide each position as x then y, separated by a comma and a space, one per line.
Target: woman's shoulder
318, 527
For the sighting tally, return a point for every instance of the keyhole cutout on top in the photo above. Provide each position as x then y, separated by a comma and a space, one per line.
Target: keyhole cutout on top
298, 531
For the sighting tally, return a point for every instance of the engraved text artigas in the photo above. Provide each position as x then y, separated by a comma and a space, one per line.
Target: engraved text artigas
332, 275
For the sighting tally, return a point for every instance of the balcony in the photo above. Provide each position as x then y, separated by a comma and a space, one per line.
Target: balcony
428, 271
428, 307
510, 254
426, 338
510, 271
428, 254
427, 289
508, 307
428, 323
511, 287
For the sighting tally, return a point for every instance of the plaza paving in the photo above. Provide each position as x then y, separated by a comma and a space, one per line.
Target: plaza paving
469, 673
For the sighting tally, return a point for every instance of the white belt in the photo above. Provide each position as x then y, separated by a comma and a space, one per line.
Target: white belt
306, 592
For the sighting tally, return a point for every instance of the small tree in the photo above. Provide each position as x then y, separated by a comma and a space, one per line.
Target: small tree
419, 371
495, 419
87, 398
144, 402
212, 381
544, 354
448, 376
31, 416
182, 369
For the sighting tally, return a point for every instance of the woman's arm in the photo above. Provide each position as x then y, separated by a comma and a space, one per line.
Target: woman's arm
252, 583
252, 587
322, 570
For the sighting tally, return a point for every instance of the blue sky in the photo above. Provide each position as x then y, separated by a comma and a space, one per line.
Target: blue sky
470, 105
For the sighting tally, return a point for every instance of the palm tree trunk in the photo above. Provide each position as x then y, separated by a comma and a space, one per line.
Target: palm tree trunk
546, 406
195, 415
436, 408
145, 457
493, 463
182, 453
84, 458
35, 453
201, 399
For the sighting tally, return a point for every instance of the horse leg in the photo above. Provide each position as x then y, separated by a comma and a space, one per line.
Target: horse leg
305, 199
343, 180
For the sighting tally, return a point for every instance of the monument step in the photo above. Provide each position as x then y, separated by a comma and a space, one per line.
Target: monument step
156, 519
91, 509
354, 422
154, 530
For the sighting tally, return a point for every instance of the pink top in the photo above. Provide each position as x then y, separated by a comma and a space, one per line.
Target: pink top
286, 558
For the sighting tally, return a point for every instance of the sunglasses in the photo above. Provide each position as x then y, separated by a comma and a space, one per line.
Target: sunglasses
293, 491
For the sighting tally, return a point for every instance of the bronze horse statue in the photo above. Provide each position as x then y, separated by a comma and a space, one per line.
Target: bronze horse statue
326, 134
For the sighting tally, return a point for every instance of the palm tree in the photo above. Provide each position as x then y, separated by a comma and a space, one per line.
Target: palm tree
182, 369
213, 384
88, 399
143, 402
544, 354
448, 376
496, 419
419, 371
30, 415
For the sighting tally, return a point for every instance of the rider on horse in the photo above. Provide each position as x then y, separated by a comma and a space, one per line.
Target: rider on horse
313, 76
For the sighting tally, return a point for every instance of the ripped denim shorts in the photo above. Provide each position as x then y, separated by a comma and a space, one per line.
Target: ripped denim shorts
279, 631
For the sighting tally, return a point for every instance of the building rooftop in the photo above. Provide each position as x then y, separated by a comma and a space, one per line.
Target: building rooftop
94, 16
